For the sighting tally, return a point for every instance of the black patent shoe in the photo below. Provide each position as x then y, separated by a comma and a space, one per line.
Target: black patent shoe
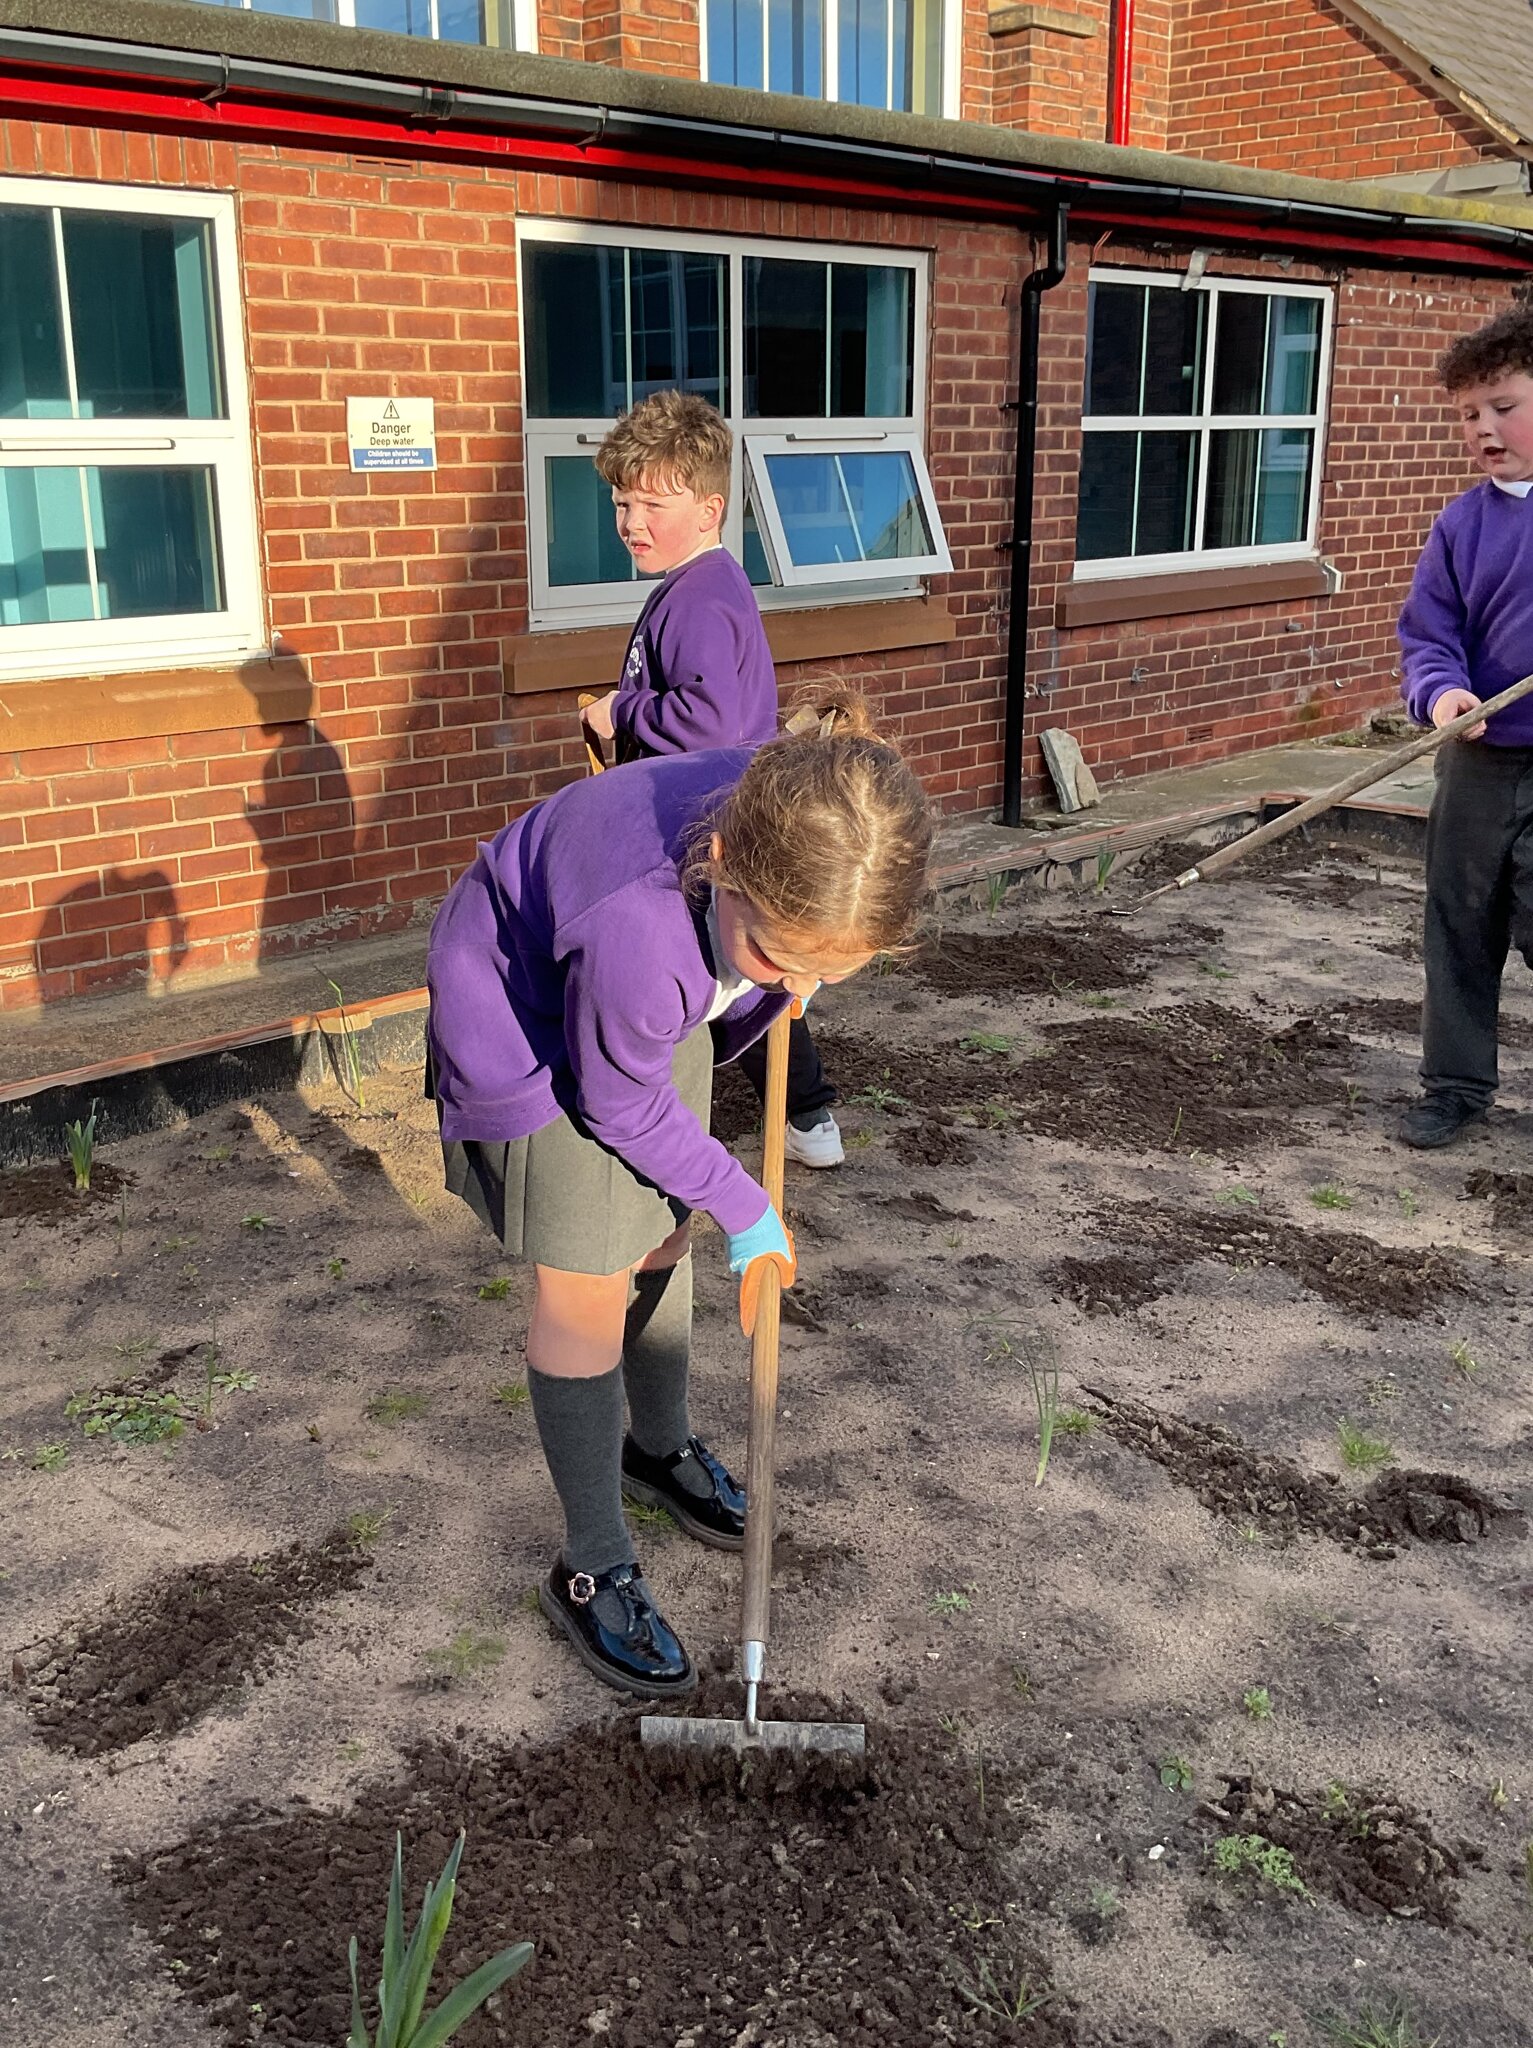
617, 1630
716, 1517
1436, 1120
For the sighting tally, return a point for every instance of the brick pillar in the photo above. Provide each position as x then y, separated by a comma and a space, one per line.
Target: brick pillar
636, 35
1049, 68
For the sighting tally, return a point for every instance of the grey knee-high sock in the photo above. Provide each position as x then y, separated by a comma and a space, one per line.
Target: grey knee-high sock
580, 1424
657, 1343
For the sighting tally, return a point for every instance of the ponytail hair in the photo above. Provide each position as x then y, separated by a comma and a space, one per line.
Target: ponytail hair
827, 833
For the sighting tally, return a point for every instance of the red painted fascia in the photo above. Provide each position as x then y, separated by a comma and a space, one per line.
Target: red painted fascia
171, 109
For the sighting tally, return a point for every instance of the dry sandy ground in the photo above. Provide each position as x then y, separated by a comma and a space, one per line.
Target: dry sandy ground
1080, 1633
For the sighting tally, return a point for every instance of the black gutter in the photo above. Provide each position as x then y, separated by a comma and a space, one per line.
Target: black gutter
1040, 279
435, 107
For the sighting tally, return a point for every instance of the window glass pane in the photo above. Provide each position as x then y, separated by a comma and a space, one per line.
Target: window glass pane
795, 45
1114, 352
152, 535
864, 53
34, 383
1165, 500
583, 545
785, 338
676, 305
299, 10
734, 43
1293, 348
872, 341
757, 568
1137, 495
1104, 526
1240, 353
917, 56
1258, 487
849, 508
400, 17
1173, 352
141, 314
576, 364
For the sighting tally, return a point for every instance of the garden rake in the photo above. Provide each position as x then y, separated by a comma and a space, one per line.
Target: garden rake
762, 1284
1278, 828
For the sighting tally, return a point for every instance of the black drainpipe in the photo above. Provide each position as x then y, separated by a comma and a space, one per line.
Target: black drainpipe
1040, 279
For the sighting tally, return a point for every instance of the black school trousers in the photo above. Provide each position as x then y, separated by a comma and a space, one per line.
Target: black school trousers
1479, 905
808, 1089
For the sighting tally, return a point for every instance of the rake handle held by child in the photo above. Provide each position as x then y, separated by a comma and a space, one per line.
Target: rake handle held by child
1278, 828
756, 1599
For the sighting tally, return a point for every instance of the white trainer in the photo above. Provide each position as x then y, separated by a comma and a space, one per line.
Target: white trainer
820, 1145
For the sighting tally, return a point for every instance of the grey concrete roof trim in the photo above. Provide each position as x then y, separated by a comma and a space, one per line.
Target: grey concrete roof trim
1476, 53
359, 54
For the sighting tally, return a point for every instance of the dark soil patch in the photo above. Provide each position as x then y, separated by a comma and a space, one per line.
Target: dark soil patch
934, 1144
899, 1078
1196, 1076
1031, 962
1373, 1855
1289, 864
47, 1194
1343, 1267
1112, 1286
736, 1113
671, 1896
1278, 1497
922, 1208
1509, 1194
1395, 1017
153, 1665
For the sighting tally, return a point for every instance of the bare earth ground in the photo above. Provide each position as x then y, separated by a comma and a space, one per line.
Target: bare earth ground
209, 1735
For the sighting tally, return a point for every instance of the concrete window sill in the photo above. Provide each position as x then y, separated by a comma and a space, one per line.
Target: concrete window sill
1118, 599
590, 658
76, 711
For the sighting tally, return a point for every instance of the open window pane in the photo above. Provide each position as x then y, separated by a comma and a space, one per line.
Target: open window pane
830, 513
141, 317
34, 380
583, 544
149, 535
1258, 486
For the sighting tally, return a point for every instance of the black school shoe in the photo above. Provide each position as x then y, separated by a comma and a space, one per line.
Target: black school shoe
1436, 1120
617, 1630
716, 1518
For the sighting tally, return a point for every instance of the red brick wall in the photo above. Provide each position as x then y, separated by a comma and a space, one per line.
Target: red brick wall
1047, 82
145, 858
659, 35
1296, 87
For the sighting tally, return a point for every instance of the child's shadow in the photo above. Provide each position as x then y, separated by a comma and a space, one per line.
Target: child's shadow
117, 930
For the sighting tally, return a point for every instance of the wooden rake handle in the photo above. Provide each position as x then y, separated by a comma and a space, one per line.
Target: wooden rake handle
596, 760
756, 1599
1278, 828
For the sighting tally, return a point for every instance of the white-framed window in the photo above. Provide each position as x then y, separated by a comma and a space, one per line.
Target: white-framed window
127, 505
816, 357
1203, 422
902, 55
495, 24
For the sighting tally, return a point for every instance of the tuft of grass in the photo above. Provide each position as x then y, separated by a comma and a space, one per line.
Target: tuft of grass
1329, 1196
257, 1222
986, 1042
365, 1525
1043, 1375
1099, 1000
1021, 1682
466, 1655
1105, 860
1216, 971
511, 1394
1175, 1774
350, 1049
496, 1290
81, 1140
1075, 1422
1237, 1197
1463, 1359
951, 1603
646, 1518
995, 892
134, 1349
396, 1405
217, 1155
1003, 1991
1374, 2027
1254, 1856
1257, 1702
1105, 1903
1359, 1451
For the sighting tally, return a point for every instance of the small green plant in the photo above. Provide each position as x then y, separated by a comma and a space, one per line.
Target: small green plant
1021, 1682
995, 892
365, 1525
1463, 1359
1237, 1197
859, 1141
648, 1519
1105, 1903
235, 1381
986, 1042
1106, 858
1325, 964
257, 1222
1257, 1702
127, 1414
1003, 1991
1410, 1204
350, 1049
217, 1155
134, 1349
335, 1267
1497, 1795
879, 1095
1382, 1391
995, 1116
467, 1654
1255, 1856
1341, 1807
396, 1406
951, 1603
81, 1140
496, 1290
511, 1394
50, 1457
953, 1239
1329, 1196
1216, 971
1176, 1774
1075, 1422
1099, 1000
407, 1966
1043, 1373
1374, 2026
1359, 1451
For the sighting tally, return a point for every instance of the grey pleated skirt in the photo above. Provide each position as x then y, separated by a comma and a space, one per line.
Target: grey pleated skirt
561, 1199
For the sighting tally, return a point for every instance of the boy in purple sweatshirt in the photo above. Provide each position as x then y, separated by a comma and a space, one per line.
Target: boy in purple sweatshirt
698, 672
575, 971
1467, 632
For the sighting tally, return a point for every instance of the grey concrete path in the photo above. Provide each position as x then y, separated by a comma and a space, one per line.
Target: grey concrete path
38, 1046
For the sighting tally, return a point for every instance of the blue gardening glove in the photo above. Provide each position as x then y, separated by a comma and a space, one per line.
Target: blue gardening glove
767, 1242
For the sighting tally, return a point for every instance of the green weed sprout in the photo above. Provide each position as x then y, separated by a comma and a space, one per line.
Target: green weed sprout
1462, 1358
995, 891
81, 1140
1105, 860
465, 1656
496, 1290
397, 1405
1043, 1371
349, 1045
1176, 1774
407, 1967
985, 1041
1375, 2027
1257, 1702
1255, 1856
1359, 1451
1329, 1196
951, 1603
1008, 1998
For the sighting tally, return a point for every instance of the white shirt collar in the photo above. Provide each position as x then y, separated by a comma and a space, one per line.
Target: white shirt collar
1513, 490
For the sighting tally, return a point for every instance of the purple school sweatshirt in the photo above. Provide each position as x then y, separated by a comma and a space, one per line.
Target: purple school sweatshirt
566, 964
1468, 621
698, 672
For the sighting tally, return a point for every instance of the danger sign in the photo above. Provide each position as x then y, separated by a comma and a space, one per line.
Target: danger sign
391, 433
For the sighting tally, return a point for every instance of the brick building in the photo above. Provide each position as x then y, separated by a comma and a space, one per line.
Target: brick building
258, 697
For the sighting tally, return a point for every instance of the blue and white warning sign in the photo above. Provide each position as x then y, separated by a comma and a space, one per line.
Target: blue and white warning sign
391, 433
